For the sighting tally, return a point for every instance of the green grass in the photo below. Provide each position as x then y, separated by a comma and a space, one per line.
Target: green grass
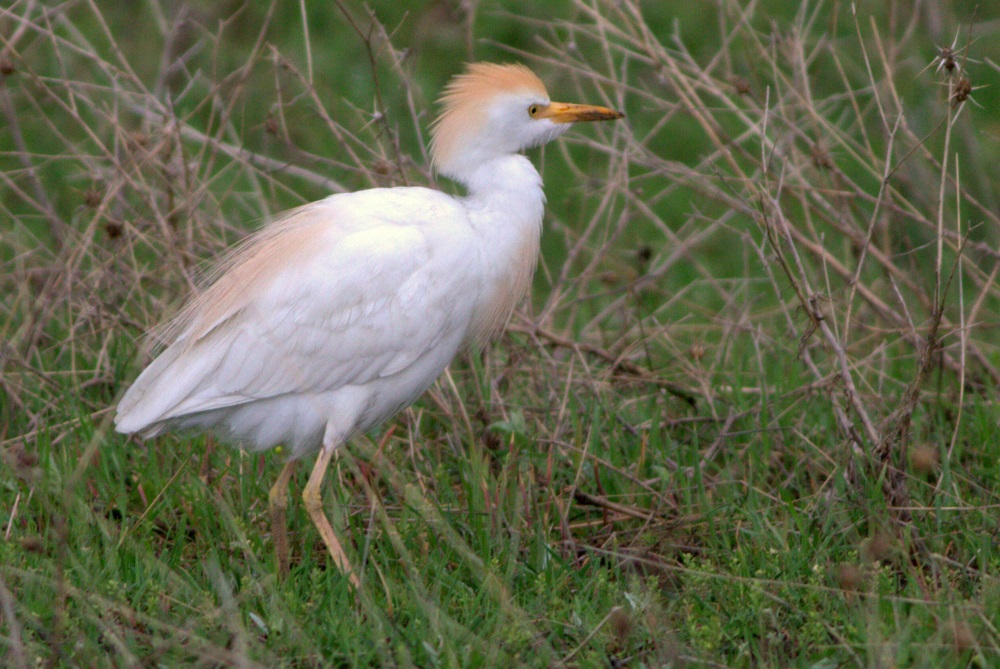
713, 436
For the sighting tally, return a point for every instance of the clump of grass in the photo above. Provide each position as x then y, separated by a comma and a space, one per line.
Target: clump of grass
747, 418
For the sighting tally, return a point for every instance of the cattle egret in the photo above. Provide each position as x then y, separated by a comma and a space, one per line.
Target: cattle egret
340, 313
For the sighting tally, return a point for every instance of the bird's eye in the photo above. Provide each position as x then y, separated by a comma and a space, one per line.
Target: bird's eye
533, 111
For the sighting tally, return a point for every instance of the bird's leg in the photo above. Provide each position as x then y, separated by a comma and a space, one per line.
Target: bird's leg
277, 502
314, 505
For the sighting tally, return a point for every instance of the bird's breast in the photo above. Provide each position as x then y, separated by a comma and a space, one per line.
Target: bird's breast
512, 267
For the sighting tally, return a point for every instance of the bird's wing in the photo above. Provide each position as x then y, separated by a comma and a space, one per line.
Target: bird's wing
345, 291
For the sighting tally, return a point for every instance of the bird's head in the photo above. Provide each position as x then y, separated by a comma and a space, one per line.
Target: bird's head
494, 110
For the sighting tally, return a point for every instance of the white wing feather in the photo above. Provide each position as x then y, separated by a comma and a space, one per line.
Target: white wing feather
368, 289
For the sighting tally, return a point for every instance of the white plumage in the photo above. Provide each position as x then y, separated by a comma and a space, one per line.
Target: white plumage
289, 355
341, 312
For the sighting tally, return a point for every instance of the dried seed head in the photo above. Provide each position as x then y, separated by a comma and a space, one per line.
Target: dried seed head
139, 139
878, 547
742, 85
962, 636
961, 92
383, 167
271, 125
946, 60
849, 576
24, 459
620, 623
924, 459
609, 278
92, 198
33, 545
113, 229
821, 158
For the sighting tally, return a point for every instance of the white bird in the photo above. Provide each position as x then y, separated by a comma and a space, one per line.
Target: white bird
341, 312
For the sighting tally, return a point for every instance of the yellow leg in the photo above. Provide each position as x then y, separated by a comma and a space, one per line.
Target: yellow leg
314, 505
277, 502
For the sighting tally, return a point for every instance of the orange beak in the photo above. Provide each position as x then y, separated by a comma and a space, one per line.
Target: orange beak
565, 112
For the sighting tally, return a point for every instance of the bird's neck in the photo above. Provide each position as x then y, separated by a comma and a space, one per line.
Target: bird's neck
505, 206
508, 184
